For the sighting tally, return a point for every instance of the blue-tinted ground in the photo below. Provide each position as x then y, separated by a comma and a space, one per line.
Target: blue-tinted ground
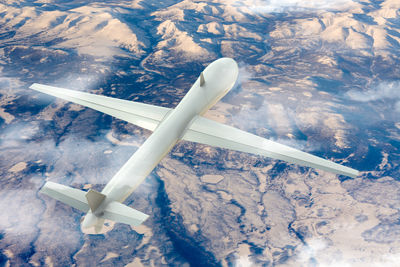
351, 118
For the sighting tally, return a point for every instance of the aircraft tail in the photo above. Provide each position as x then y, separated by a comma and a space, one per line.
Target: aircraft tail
91, 201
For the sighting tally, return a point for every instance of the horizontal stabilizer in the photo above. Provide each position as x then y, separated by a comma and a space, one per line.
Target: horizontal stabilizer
213, 133
119, 212
78, 199
70, 196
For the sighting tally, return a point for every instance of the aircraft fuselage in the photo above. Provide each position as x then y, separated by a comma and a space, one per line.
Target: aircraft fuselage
219, 78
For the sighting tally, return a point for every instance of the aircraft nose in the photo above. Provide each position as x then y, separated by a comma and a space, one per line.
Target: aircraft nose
222, 73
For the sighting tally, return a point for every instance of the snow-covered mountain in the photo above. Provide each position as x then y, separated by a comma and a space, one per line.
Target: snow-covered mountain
322, 76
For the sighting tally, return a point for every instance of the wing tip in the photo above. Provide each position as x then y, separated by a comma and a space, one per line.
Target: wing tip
34, 86
351, 173
356, 174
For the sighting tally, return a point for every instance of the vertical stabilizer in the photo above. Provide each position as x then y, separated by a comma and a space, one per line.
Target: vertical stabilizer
202, 81
94, 199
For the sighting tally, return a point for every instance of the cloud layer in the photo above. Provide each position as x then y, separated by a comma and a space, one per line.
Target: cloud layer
383, 91
282, 6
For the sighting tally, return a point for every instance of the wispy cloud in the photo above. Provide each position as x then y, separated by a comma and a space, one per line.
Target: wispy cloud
311, 250
283, 6
243, 77
397, 106
82, 82
17, 134
317, 250
75, 154
243, 261
275, 119
383, 91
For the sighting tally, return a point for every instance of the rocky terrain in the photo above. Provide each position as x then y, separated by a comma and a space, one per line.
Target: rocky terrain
321, 76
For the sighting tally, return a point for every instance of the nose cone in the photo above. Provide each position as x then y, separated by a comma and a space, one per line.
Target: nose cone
89, 220
222, 73
226, 67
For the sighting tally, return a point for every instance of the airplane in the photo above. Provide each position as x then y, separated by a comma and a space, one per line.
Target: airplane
169, 126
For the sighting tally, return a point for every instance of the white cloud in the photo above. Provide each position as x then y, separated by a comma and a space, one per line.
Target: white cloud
281, 6
311, 249
245, 74
242, 258
17, 134
383, 91
318, 249
397, 106
243, 77
388, 260
9, 84
81, 82
243, 261
74, 154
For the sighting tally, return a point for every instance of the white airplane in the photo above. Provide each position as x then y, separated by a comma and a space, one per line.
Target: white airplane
184, 122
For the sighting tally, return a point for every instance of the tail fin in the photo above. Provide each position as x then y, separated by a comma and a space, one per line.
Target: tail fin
92, 200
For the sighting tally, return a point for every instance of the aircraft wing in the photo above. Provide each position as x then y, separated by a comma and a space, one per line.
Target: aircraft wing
143, 115
209, 132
